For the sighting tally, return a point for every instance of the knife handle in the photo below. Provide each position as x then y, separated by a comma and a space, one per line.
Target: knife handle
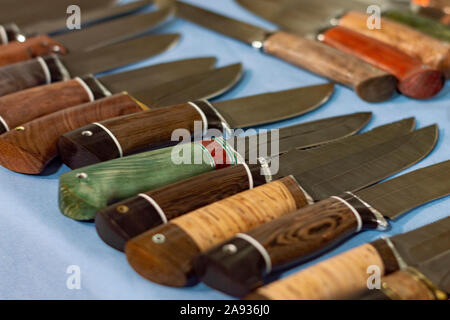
283, 242
415, 79
31, 148
31, 73
429, 50
85, 191
122, 221
370, 83
23, 106
9, 32
335, 278
207, 227
118, 137
31, 48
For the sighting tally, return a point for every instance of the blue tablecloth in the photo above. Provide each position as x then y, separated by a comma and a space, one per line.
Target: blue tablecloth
38, 244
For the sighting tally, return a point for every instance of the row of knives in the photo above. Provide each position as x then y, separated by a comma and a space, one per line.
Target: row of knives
230, 220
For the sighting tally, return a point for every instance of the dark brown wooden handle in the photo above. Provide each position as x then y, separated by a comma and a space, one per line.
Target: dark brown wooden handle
9, 33
370, 83
23, 106
31, 48
427, 49
415, 79
121, 136
30, 148
120, 222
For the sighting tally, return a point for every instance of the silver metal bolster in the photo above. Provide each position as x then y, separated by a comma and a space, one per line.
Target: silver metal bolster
64, 73
264, 164
225, 125
308, 198
382, 223
401, 263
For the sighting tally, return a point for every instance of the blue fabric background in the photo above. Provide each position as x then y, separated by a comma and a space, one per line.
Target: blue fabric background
37, 243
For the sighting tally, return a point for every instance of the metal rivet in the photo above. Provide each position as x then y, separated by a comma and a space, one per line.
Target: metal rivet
122, 209
56, 49
87, 133
158, 238
82, 175
257, 44
20, 128
229, 248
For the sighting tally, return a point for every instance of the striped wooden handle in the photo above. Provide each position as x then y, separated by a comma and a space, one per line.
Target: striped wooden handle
429, 50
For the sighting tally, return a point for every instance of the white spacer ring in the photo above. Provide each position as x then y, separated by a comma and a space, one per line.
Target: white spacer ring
119, 147
356, 213
156, 206
48, 77
4, 123
3, 35
202, 114
86, 88
258, 247
249, 174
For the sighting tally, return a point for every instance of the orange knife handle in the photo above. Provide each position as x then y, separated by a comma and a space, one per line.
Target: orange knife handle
370, 83
415, 79
31, 48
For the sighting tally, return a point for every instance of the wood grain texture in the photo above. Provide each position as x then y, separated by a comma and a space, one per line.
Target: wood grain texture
415, 79
335, 278
30, 149
145, 130
370, 83
429, 50
31, 48
116, 227
21, 107
112, 181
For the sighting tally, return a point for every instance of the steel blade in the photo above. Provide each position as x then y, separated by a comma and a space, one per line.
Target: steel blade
112, 31
370, 165
437, 269
219, 23
200, 86
397, 196
153, 76
117, 55
423, 244
273, 107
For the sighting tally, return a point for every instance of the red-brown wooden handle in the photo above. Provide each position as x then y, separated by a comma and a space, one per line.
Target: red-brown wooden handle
30, 148
23, 106
415, 79
31, 48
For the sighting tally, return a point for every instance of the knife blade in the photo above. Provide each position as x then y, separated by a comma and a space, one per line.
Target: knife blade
125, 135
346, 274
53, 68
224, 219
24, 106
305, 233
415, 79
370, 83
124, 220
83, 40
30, 149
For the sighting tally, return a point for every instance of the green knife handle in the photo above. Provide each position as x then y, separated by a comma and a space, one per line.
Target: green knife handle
122, 136
370, 83
122, 221
30, 148
31, 73
87, 190
283, 242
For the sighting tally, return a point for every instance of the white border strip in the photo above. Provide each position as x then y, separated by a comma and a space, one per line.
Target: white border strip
86, 88
3, 35
241, 160
156, 206
356, 213
258, 247
202, 114
44, 66
119, 147
4, 123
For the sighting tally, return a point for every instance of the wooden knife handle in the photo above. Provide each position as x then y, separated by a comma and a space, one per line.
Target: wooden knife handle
31, 73
415, 79
429, 50
217, 222
124, 135
31, 148
340, 276
120, 222
370, 83
31, 48
286, 241
23, 106
84, 191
